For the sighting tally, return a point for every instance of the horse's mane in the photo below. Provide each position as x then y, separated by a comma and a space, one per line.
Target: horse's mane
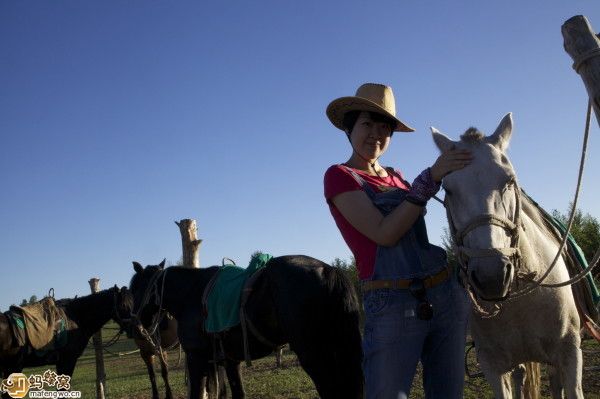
472, 135
539, 218
581, 291
534, 212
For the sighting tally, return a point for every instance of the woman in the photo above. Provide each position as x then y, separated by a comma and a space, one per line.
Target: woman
414, 308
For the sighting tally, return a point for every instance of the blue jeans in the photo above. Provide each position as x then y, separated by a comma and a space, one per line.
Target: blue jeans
395, 340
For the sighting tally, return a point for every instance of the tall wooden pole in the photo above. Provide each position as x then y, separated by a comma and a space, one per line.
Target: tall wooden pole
583, 45
190, 245
189, 242
97, 340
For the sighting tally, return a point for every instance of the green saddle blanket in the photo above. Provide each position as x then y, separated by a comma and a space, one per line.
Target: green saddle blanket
223, 301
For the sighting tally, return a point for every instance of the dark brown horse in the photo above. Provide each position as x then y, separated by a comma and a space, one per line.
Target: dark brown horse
84, 317
296, 299
164, 337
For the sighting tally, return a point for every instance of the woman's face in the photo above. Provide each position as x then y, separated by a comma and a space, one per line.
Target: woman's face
369, 138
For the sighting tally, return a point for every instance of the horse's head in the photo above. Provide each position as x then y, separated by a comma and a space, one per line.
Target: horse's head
123, 306
482, 203
143, 287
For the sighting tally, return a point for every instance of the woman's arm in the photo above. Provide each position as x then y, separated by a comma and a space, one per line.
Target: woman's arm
358, 209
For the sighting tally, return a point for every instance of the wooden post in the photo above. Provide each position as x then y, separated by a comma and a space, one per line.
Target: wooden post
190, 245
583, 45
97, 339
189, 242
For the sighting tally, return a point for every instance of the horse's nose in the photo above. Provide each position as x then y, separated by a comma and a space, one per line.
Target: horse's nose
491, 277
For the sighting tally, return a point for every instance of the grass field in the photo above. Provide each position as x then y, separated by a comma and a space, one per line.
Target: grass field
127, 377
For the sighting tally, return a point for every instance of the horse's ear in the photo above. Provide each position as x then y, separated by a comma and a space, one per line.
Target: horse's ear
137, 267
162, 264
501, 136
442, 142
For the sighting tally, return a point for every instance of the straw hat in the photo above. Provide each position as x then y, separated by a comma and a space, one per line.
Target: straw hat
371, 97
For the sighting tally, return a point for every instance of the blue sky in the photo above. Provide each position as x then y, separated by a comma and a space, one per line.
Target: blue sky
119, 117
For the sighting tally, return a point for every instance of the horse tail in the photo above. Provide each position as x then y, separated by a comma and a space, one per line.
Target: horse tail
343, 325
531, 387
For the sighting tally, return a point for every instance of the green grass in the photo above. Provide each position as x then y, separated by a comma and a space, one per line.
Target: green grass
127, 377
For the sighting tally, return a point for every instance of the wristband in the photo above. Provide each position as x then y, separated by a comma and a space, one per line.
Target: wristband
422, 188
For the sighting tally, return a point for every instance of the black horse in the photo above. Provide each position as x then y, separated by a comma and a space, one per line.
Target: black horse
296, 299
84, 317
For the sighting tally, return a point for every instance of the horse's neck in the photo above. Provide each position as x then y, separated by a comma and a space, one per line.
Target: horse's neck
182, 288
93, 311
538, 249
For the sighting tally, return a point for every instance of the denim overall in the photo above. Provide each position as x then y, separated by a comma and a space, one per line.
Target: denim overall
395, 339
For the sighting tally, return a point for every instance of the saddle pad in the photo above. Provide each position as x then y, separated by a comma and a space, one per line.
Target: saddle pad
17, 325
223, 301
42, 320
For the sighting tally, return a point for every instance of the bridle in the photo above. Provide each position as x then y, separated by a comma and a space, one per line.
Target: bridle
151, 290
512, 227
120, 320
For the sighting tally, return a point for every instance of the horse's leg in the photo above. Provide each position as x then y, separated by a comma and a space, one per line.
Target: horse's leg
317, 362
66, 367
569, 364
197, 366
556, 389
234, 375
500, 382
518, 377
222, 394
164, 368
148, 357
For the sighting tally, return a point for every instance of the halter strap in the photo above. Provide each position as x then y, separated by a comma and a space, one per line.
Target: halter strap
486, 220
464, 253
488, 252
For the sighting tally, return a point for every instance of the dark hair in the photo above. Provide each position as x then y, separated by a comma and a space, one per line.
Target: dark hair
350, 118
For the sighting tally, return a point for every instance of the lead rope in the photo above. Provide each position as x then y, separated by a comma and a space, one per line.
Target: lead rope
594, 261
535, 284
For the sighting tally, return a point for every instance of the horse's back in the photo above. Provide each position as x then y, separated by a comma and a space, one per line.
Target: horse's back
305, 288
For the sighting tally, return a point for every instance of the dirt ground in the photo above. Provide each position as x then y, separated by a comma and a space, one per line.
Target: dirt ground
591, 375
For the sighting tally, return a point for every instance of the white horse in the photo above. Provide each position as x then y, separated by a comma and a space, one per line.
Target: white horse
504, 246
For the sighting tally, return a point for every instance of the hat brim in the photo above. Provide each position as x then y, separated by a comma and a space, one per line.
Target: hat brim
340, 106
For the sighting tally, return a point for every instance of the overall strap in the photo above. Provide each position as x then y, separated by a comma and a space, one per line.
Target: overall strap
393, 173
370, 192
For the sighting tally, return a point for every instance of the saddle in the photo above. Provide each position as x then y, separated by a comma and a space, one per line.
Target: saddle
41, 325
222, 297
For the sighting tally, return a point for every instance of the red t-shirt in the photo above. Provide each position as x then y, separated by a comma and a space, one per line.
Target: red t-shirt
338, 180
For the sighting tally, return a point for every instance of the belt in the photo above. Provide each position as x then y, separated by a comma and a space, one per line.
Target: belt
400, 284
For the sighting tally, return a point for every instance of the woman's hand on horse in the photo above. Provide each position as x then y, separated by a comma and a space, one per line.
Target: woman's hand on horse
449, 161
